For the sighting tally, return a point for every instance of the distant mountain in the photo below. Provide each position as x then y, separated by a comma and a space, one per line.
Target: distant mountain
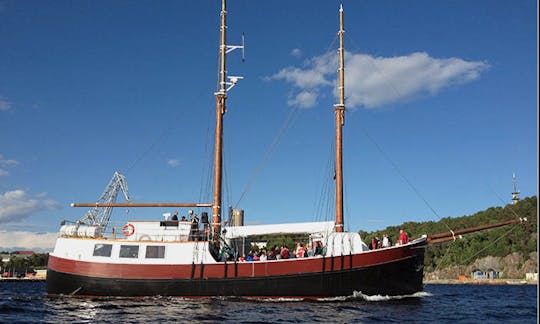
500, 242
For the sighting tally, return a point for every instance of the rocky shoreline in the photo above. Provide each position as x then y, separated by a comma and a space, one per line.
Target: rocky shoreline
480, 282
10, 279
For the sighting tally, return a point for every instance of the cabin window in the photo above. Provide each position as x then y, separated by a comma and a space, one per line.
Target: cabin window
129, 251
155, 252
103, 250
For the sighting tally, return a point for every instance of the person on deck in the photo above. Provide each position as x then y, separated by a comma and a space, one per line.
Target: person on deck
403, 238
194, 232
277, 252
309, 251
374, 243
386, 242
284, 252
319, 249
175, 216
300, 250
271, 255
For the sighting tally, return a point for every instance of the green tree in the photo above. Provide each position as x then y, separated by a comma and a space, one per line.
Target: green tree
500, 242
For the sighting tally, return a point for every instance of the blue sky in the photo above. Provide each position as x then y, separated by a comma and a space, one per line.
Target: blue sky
441, 98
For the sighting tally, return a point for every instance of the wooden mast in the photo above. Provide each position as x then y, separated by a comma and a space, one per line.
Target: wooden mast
339, 110
221, 96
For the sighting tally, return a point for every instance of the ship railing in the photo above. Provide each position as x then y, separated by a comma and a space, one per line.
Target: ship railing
119, 231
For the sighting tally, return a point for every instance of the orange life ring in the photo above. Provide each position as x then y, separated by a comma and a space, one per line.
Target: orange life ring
128, 229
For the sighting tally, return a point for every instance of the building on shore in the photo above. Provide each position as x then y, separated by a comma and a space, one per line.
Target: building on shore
531, 276
478, 274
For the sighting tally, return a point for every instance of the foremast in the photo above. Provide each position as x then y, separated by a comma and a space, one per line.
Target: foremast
339, 111
225, 84
221, 96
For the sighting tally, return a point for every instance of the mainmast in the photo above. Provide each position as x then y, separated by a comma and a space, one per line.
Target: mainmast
339, 110
221, 96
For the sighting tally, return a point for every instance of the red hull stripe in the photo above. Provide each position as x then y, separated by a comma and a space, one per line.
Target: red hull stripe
244, 269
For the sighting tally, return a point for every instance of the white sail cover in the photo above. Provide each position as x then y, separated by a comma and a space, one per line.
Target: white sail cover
344, 244
290, 228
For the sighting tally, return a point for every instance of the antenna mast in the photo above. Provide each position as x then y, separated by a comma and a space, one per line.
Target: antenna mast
339, 110
515, 193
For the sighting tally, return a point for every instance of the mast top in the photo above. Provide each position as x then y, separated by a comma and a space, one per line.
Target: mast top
339, 110
226, 82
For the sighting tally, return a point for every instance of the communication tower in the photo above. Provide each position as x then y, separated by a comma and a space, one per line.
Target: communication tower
515, 193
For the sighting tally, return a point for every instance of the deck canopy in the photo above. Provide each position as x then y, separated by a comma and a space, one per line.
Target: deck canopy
289, 228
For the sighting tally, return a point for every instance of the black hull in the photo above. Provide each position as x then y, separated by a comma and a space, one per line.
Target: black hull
402, 277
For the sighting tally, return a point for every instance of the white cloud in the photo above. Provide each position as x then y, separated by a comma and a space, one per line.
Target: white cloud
304, 99
5, 163
27, 240
304, 79
296, 52
173, 163
15, 205
41, 195
4, 104
373, 82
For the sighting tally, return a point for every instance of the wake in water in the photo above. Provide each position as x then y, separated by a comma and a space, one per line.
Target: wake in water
376, 298
356, 296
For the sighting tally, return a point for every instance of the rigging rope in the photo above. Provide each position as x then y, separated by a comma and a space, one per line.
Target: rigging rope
347, 208
150, 148
159, 138
289, 120
326, 198
503, 202
227, 179
396, 168
205, 189
492, 243
394, 165
446, 253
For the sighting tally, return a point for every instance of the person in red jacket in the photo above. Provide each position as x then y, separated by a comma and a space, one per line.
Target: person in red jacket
284, 252
403, 238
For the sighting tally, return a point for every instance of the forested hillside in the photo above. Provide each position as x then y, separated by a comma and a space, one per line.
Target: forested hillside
499, 242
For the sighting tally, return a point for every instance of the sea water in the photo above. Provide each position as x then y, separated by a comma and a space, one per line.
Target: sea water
27, 302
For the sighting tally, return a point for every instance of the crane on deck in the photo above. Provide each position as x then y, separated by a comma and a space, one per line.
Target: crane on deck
99, 216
